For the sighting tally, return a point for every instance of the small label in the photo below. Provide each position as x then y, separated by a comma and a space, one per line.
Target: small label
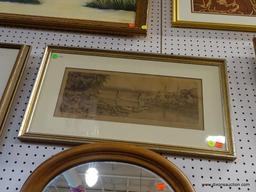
216, 141
160, 186
55, 56
131, 25
211, 143
219, 145
144, 27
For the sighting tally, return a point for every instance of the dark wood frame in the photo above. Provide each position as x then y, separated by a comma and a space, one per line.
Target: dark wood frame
89, 26
118, 152
13, 81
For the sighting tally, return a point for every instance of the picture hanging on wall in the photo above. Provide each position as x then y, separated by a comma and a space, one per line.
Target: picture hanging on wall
215, 14
86, 95
12, 64
117, 17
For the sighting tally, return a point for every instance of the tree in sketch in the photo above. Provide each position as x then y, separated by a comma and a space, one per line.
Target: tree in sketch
127, 5
22, 1
80, 93
126, 97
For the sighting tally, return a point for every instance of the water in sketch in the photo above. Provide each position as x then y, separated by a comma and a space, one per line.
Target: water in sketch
131, 98
227, 7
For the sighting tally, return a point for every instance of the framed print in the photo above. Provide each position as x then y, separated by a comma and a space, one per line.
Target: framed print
117, 17
12, 64
166, 103
213, 14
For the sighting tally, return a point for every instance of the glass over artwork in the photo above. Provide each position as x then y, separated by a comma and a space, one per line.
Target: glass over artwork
121, 11
8, 57
12, 63
227, 7
146, 99
107, 177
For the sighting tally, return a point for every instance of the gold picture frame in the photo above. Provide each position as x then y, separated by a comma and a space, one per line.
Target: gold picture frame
114, 21
184, 14
13, 62
101, 95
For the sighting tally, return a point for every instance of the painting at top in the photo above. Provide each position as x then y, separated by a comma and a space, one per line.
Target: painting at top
22, 1
129, 14
129, 5
227, 7
107, 10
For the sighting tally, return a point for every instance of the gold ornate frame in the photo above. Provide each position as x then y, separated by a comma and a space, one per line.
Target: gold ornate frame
26, 135
176, 22
118, 152
13, 82
78, 25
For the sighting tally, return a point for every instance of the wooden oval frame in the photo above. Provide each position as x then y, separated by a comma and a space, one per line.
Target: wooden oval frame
120, 152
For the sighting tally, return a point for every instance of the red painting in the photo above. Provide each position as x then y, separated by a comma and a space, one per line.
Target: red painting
227, 7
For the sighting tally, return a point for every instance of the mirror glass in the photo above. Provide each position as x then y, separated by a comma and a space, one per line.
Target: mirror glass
108, 177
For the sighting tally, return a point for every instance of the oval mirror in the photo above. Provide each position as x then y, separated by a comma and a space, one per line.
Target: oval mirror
107, 177
107, 167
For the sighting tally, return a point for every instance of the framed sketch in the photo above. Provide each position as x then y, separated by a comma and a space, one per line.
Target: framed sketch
215, 14
117, 17
12, 64
166, 103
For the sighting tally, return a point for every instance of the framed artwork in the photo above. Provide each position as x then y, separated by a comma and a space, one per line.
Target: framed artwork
166, 103
214, 14
117, 17
12, 64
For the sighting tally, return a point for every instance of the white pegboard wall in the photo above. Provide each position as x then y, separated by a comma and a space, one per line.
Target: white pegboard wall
18, 160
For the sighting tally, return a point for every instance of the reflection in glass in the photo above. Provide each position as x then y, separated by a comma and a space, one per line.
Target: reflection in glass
112, 177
